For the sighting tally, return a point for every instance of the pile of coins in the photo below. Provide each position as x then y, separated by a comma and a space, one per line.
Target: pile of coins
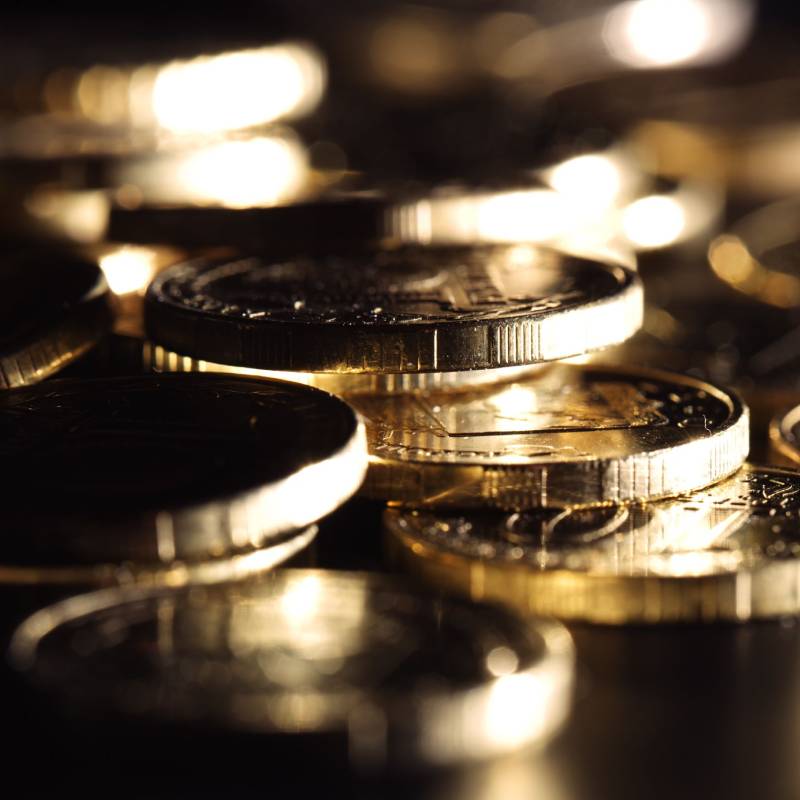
213, 345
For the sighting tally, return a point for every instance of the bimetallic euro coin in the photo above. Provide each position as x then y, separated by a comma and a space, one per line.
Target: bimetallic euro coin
406, 678
729, 552
54, 307
157, 469
390, 311
577, 435
158, 359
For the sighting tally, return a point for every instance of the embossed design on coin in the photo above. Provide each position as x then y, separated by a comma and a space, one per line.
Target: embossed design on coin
404, 677
573, 436
407, 310
155, 469
731, 551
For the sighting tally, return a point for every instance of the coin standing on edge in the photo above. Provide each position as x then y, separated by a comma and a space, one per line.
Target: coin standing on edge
54, 307
577, 435
730, 552
389, 311
156, 470
406, 678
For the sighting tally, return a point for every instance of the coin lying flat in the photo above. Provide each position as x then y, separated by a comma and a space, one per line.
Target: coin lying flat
154, 469
54, 307
576, 435
406, 310
729, 552
407, 679
158, 359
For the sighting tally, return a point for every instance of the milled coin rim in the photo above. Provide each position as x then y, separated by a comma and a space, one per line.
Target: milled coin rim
244, 519
87, 321
158, 359
642, 476
584, 596
455, 345
431, 726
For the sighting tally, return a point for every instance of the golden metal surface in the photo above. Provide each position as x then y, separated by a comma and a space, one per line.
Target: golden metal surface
575, 435
159, 359
729, 552
388, 311
154, 469
405, 678
784, 437
55, 307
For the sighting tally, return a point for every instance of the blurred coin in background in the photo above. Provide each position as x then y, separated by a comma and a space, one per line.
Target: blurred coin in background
407, 680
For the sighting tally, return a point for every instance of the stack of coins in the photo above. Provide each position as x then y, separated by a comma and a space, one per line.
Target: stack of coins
222, 334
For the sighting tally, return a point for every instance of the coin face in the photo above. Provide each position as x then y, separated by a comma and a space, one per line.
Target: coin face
404, 677
575, 435
53, 307
154, 469
731, 551
408, 310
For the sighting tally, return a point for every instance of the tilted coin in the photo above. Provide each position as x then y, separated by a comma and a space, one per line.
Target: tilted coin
158, 469
389, 311
54, 307
784, 436
575, 435
759, 255
404, 677
158, 359
729, 552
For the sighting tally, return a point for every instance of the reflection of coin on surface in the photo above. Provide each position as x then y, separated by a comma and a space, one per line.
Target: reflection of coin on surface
405, 677
572, 436
728, 552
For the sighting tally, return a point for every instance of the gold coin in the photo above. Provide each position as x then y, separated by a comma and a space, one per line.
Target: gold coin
157, 469
784, 437
758, 256
54, 307
576, 435
159, 359
413, 309
402, 677
729, 552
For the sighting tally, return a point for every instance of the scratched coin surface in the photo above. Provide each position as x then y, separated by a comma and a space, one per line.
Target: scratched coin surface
405, 677
390, 311
158, 469
731, 551
576, 435
54, 306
